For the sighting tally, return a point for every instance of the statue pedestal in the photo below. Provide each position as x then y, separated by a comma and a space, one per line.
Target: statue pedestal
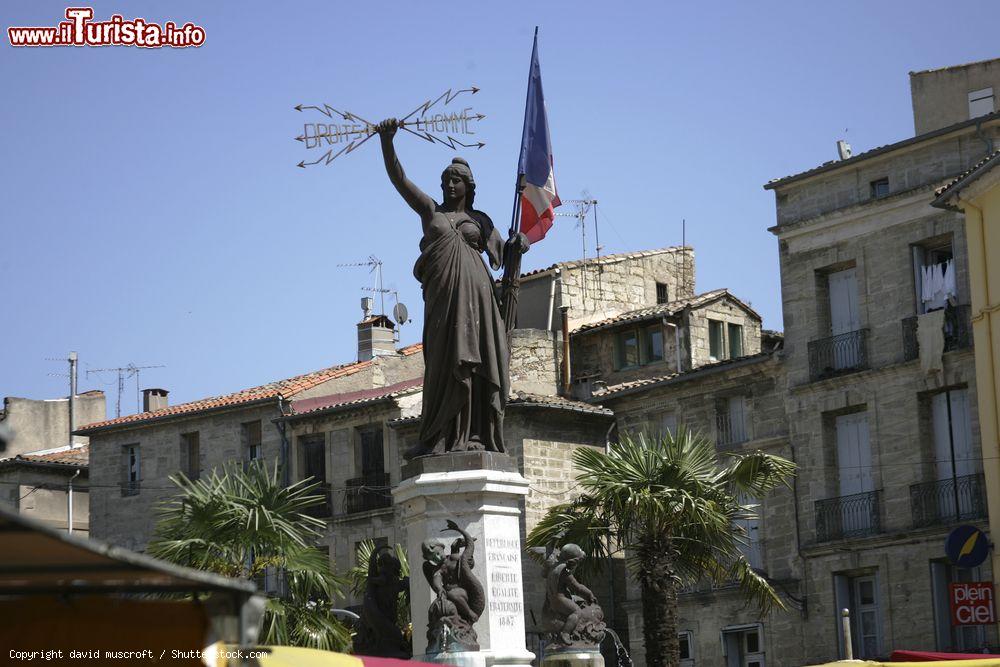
481, 492
573, 659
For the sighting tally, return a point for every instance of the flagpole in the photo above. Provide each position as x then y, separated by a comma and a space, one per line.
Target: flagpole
510, 283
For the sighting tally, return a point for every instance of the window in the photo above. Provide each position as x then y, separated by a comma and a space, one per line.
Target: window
190, 455
663, 423
715, 336
749, 528
743, 646
687, 648
731, 421
652, 344
369, 460
933, 274
955, 455
735, 341
312, 457
880, 188
252, 442
626, 349
980, 102
662, 296
131, 470
638, 347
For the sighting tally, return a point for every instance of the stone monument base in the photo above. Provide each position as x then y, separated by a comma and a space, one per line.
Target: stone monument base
573, 659
480, 658
482, 493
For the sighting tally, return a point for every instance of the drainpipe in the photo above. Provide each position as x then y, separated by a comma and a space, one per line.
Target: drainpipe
565, 336
69, 503
285, 472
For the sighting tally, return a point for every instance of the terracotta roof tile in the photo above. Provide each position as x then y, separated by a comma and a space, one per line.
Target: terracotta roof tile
659, 309
612, 390
355, 398
284, 389
944, 189
78, 456
525, 398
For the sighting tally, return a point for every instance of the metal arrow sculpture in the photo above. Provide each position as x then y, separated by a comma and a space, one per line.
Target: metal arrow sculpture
347, 136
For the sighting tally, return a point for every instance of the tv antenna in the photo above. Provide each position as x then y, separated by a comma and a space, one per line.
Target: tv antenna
376, 270
583, 208
125, 373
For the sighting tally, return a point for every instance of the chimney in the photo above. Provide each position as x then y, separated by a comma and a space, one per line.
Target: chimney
376, 333
154, 399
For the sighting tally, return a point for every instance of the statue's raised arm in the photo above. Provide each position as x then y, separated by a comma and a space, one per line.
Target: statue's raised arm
416, 198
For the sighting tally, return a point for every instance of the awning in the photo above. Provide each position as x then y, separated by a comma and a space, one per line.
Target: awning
37, 560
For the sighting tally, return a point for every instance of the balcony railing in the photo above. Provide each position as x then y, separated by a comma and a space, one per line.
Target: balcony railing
730, 430
957, 331
948, 501
836, 355
848, 516
321, 510
370, 492
130, 488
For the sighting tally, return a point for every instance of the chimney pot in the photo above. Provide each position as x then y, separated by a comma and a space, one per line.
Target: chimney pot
154, 399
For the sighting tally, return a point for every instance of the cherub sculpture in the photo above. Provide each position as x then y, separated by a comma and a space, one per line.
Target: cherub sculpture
459, 597
379, 633
571, 617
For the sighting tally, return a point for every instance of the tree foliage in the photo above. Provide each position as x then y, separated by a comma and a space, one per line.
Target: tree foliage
674, 509
245, 523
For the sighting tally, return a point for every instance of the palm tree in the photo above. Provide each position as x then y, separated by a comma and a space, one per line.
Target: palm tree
673, 508
246, 523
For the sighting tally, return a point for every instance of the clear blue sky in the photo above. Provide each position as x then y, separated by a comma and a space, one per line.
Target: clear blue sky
152, 212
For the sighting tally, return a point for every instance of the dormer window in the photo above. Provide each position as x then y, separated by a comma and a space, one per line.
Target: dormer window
638, 346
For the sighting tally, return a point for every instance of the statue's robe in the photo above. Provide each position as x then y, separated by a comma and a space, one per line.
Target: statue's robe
466, 357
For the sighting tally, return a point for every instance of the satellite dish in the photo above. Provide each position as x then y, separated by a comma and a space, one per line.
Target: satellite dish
401, 314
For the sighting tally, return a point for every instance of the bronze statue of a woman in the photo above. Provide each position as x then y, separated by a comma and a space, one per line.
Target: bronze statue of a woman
466, 376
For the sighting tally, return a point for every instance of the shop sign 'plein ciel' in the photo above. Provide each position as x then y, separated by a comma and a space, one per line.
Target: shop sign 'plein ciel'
346, 131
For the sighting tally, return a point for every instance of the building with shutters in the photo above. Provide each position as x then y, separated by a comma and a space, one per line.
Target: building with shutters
880, 375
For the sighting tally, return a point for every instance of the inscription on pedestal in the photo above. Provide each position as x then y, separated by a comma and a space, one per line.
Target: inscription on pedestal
505, 589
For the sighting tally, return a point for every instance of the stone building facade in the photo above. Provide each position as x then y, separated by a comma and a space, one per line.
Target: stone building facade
885, 431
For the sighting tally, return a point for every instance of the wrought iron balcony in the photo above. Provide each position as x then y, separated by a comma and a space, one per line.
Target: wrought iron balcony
948, 501
130, 488
957, 331
836, 355
848, 516
370, 492
730, 431
321, 510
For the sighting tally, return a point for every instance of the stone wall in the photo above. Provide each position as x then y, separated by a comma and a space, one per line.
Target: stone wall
829, 223
129, 520
45, 424
39, 492
535, 361
594, 289
593, 353
923, 164
941, 96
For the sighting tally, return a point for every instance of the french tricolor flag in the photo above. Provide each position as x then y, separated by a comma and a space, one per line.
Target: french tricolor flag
538, 198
